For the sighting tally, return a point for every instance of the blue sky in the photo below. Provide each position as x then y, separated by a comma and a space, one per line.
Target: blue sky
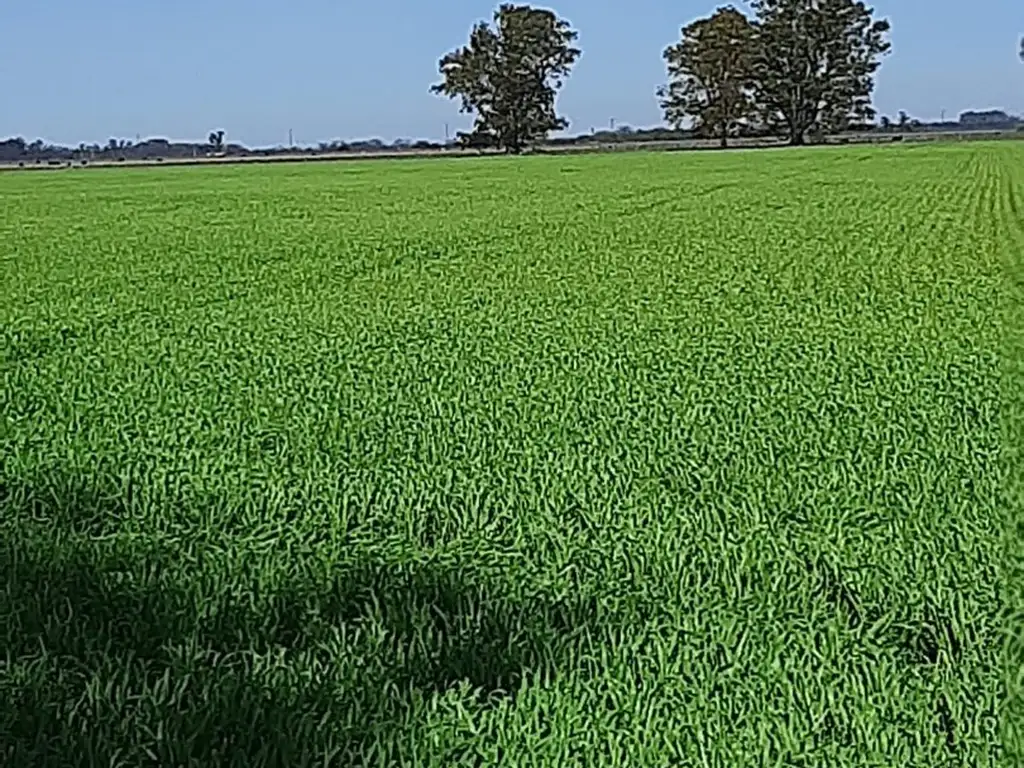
86, 70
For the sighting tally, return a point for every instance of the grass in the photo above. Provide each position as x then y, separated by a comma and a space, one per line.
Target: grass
624, 460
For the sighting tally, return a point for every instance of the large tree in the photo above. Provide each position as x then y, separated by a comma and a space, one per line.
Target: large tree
710, 74
508, 75
815, 64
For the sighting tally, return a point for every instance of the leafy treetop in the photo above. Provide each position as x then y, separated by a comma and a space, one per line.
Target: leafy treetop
711, 75
508, 75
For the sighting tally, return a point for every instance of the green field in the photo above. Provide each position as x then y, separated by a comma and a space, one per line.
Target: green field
622, 460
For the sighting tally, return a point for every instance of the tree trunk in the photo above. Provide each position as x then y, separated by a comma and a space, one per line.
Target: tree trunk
796, 139
723, 140
513, 144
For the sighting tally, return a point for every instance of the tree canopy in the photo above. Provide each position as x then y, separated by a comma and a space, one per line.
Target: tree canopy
815, 62
710, 72
508, 75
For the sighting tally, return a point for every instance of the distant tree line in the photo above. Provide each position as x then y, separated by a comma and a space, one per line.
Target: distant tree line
796, 69
18, 150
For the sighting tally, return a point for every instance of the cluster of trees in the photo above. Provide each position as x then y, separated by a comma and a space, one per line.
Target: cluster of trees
38, 152
798, 68
17, 149
903, 122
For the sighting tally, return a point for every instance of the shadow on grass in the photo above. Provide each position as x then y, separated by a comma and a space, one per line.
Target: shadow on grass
125, 653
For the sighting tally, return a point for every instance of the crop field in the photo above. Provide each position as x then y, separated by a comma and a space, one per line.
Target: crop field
699, 459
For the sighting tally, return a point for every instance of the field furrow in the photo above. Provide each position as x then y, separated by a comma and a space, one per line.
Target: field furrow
1008, 223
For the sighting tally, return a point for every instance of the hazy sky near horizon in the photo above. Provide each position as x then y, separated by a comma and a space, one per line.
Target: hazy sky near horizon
87, 70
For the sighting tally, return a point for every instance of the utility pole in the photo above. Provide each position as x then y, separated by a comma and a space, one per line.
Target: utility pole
942, 116
446, 133
611, 123
290, 142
